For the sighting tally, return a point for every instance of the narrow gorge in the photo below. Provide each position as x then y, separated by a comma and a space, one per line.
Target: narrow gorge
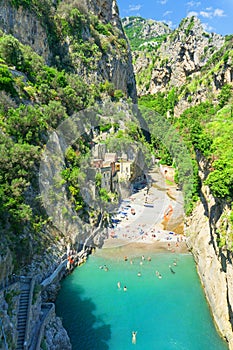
59, 58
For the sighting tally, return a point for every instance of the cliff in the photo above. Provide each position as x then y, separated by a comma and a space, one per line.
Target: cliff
194, 62
83, 37
214, 260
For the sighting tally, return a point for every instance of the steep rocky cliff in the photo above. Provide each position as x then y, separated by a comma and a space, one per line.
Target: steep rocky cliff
84, 37
214, 261
190, 61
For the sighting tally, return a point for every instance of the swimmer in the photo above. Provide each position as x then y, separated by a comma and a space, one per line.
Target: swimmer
134, 337
125, 258
125, 288
139, 274
119, 285
143, 257
141, 262
172, 271
149, 258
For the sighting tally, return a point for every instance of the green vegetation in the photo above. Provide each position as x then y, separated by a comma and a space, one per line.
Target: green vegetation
206, 130
134, 31
161, 102
35, 99
220, 179
190, 26
73, 176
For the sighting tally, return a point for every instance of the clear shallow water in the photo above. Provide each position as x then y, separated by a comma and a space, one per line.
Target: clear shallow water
167, 313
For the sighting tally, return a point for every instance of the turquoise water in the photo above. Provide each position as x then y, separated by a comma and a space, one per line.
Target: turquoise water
168, 313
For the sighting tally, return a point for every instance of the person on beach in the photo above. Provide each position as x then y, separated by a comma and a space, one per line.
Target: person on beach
134, 337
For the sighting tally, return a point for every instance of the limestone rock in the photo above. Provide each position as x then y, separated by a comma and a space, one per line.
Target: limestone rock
55, 336
214, 264
180, 56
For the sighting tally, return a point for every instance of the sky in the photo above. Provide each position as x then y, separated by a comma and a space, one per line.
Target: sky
215, 15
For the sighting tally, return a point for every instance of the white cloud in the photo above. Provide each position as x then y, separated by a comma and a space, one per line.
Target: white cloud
193, 3
219, 13
133, 8
167, 13
192, 13
162, 2
210, 13
206, 14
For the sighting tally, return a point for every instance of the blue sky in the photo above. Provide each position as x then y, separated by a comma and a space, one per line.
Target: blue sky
216, 15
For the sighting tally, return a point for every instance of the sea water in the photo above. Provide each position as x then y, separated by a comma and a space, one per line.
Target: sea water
167, 312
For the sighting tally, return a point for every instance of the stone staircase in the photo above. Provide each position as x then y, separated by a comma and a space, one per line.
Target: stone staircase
25, 285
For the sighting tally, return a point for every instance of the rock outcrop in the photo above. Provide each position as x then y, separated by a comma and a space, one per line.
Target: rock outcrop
214, 264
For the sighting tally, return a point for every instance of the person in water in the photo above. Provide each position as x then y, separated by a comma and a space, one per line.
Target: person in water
134, 337
125, 288
171, 269
119, 285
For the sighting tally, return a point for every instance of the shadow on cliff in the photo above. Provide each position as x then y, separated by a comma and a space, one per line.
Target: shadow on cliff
86, 330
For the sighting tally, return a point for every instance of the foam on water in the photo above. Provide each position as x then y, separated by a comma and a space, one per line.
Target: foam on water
168, 313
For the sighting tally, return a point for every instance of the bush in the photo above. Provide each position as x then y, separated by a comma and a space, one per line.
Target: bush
6, 81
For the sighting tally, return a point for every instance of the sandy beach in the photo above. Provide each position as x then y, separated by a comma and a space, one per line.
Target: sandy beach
150, 219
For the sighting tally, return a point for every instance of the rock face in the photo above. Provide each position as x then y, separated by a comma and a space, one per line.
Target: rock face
6, 263
55, 336
106, 10
180, 56
111, 59
214, 264
115, 64
186, 51
25, 26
